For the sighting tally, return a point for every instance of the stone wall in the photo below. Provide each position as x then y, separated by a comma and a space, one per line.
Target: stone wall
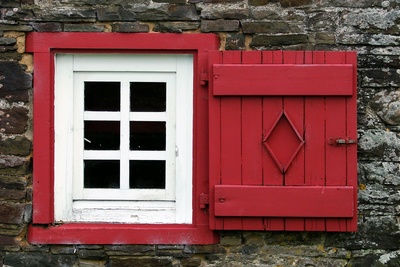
371, 27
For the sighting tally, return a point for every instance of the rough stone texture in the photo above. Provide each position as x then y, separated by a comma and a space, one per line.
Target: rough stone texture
219, 25
38, 260
370, 27
14, 82
130, 27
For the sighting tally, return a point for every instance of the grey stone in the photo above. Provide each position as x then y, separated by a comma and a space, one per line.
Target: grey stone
279, 40
142, 261
47, 26
379, 145
39, 260
387, 106
18, 145
224, 11
293, 3
130, 27
235, 41
14, 82
176, 27
219, 25
14, 120
265, 27
83, 28
12, 213
7, 41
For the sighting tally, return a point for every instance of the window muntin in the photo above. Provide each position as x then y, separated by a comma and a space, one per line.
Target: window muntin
122, 137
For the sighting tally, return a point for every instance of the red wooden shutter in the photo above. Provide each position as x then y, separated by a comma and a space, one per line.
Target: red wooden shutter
283, 152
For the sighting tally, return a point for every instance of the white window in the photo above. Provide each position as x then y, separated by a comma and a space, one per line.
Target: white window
123, 138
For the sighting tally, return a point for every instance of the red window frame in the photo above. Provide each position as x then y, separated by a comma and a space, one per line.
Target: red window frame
42, 229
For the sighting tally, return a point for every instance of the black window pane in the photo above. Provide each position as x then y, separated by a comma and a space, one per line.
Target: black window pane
101, 173
101, 135
147, 174
148, 96
102, 96
146, 135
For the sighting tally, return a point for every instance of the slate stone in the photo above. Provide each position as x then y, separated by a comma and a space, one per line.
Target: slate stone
130, 27
7, 240
219, 25
235, 41
7, 41
83, 28
12, 213
278, 40
176, 27
37, 259
142, 261
14, 120
47, 26
6, 194
265, 27
293, 3
14, 82
19, 146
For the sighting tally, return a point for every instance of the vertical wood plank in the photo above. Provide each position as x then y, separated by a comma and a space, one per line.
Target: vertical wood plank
351, 58
294, 107
315, 141
252, 141
231, 125
336, 160
214, 140
272, 107
43, 174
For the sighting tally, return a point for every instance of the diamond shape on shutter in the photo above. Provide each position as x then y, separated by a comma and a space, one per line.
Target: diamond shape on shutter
283, 141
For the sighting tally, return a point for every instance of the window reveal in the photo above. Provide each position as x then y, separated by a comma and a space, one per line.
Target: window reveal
124, 128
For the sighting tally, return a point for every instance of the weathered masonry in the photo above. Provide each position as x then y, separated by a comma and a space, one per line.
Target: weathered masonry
199, 133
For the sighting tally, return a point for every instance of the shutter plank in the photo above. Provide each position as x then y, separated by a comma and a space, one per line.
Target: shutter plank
336, 158
294, 107
284, 79
251, 141
315, 142
284, 201
272, 107
231, 125
214, 142
351, 58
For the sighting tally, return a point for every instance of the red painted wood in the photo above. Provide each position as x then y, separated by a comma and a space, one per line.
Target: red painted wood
231, 127
336, 158
294, 107
214, 141
43, 211
272, 107
351, 58
120, 234
43, 152
42, 42
315, 138
310, 116
252, 132
284, 201
286, 79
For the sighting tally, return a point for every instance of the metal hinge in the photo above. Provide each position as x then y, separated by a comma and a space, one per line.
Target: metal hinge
341, 141
203, 77
204, 201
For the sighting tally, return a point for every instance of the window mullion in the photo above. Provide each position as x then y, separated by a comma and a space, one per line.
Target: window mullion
124, 146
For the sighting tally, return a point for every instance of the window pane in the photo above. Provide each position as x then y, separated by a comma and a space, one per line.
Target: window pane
101, 173
101, 135
147, 174
148, 96
146, 135
102, 96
